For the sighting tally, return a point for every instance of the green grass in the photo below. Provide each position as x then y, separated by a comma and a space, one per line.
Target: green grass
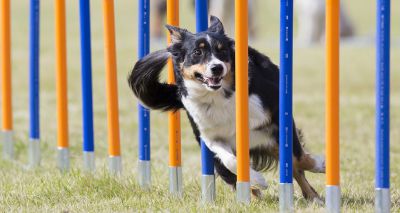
46, 189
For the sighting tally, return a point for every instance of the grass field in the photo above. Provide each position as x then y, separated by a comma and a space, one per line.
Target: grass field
46, 189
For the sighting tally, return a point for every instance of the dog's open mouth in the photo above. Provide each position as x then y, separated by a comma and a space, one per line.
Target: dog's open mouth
211, 82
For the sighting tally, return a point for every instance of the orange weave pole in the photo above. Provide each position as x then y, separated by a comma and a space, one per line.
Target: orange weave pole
242, 103
111, 79
61, 75
174, 131
5, 47
332, 93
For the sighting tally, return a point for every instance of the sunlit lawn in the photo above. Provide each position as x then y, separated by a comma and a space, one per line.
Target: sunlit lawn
46, 189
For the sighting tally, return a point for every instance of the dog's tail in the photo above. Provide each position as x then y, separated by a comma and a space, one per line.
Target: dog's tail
145, 83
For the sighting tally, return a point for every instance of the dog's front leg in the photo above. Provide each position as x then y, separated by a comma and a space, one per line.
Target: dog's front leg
224, 152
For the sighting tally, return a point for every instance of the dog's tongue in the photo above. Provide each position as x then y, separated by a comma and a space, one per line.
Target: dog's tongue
213, 81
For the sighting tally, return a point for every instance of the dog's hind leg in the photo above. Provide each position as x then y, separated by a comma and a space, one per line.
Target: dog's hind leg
310, 163
308, 191
304, 161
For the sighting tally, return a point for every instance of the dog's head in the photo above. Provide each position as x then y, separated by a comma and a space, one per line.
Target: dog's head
205, 59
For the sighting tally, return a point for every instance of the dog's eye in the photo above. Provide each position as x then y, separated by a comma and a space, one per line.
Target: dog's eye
197, 52
222, 51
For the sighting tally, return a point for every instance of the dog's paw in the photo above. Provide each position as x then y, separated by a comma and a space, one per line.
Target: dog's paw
319, 164
318, 201
256, 193
257, 180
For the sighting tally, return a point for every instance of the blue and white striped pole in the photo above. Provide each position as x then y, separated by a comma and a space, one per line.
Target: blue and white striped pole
382, 190
207, 157
87, 99
34, 133
285, 107
144, 165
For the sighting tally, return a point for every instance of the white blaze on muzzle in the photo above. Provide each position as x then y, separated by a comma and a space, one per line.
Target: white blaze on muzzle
215, 62
212, 78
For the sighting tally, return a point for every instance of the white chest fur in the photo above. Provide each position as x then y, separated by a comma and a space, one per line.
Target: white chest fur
215, 117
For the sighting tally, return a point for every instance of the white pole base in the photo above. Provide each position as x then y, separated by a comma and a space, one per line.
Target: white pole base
175, 181
63, 159
332, 199
34, 153
144, 172
115, 164
208, 188
89, 161
286, 197
243, 192
8, 144
382, 200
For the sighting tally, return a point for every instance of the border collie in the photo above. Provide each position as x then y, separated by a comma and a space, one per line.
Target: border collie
204, 68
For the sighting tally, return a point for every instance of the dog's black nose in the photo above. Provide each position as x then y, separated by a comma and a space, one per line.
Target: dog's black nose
217, 69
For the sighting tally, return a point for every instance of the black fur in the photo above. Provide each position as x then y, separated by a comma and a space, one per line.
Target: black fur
264, 82
144, 82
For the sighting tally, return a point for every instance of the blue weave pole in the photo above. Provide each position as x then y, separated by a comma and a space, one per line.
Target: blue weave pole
382, 199
86, 73
34, 69
34, 132
144, 114
207, 157
285, 106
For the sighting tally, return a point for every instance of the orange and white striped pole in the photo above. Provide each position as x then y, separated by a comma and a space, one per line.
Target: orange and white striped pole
332, 106
61, 86
242, 102
5, 65
174, 132
114, 149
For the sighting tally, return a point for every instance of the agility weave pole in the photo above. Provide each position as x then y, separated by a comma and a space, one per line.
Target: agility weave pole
144, 165
61, 86
5, 65
86, 78
332, 107
242, 100
207, 157
174, 131
285, 107
114, 150
34, 131
382, 172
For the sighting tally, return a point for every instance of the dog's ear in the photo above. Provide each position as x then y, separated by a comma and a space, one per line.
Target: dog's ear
216, 25
177, 34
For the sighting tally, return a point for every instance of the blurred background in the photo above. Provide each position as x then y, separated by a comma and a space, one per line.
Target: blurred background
47, 189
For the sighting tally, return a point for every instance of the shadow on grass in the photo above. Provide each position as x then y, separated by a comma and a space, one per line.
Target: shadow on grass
357, 201
363, 201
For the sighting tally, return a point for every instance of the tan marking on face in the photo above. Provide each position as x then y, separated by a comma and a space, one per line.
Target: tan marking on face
219, 46
201, 45
228, 78
188, 72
